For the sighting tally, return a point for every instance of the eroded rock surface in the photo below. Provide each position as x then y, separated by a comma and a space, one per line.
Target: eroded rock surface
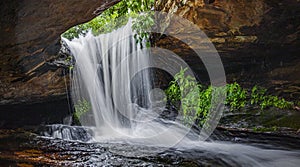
30, 37
258, 41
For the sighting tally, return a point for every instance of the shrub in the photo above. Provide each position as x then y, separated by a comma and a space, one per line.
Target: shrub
195, 99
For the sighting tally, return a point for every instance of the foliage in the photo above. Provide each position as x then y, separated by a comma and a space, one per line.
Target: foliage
236, 96
181, 83
184, 89
81, 107
115, 17
257, 94
259, 97
196, 100
142, 24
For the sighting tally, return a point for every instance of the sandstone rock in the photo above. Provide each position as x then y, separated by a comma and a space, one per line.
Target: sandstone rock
258, 41
30, 37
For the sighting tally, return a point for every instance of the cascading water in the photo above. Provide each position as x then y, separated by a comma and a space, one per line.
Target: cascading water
109, 74
102, 76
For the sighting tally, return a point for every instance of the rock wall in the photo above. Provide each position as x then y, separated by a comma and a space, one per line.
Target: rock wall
258, 40
30, 37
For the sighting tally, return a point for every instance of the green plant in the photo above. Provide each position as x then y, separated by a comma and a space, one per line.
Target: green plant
259, 97
196, 100
142, 24
115, 17
82, 106
236, 96
180, 86
184, 89
203, 105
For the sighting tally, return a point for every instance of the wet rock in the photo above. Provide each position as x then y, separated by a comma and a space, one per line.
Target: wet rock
258, 41
65, 59
67, 132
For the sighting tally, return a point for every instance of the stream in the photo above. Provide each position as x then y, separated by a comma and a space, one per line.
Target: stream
125, 120
37, 146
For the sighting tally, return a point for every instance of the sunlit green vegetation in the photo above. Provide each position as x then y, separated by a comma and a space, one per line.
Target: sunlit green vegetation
259, 97
82, 107
195, 99
115, 17
185, 89
236, 96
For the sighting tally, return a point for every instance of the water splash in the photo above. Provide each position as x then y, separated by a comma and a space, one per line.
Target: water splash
217, 153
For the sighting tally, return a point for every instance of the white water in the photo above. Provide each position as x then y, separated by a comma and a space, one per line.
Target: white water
107, 74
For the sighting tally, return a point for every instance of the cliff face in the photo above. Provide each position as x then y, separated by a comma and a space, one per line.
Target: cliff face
240, 21
258, 40
30, 38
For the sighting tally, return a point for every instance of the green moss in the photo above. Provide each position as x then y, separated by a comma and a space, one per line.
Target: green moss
291, 121
265, 129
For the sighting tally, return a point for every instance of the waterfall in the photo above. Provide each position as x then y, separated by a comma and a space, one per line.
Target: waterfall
111, 74
113, 88
104, 76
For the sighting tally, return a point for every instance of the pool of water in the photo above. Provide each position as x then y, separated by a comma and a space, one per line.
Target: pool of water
44, 146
